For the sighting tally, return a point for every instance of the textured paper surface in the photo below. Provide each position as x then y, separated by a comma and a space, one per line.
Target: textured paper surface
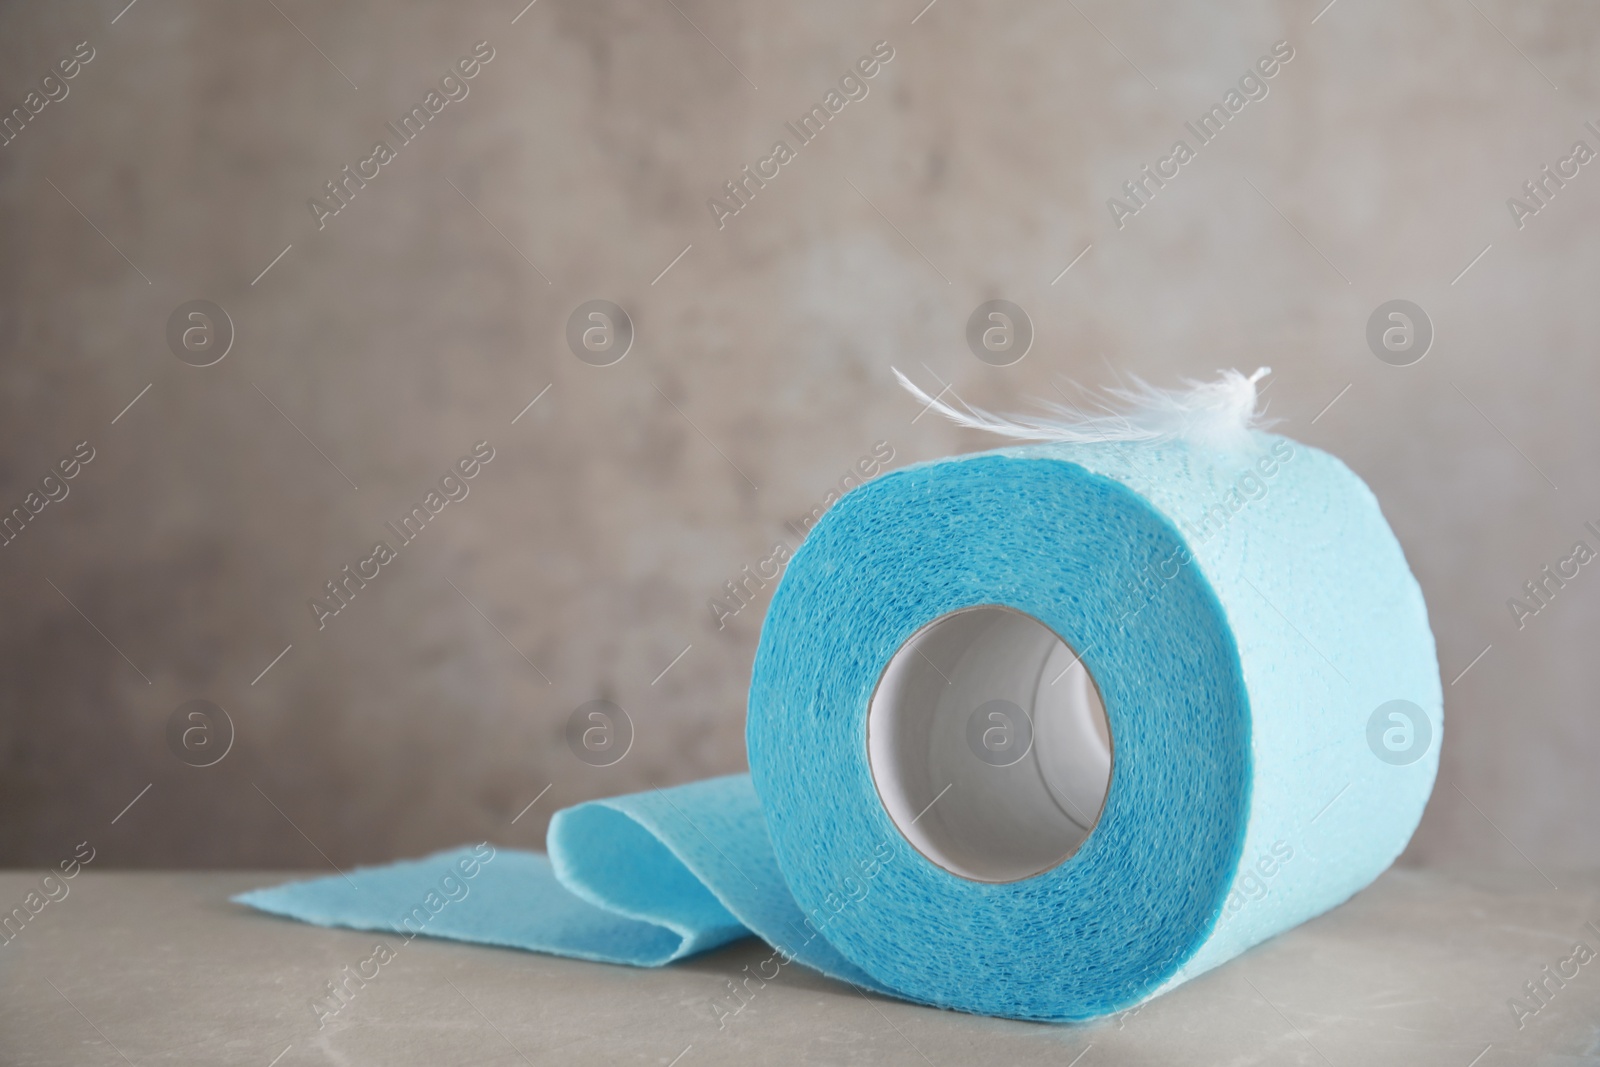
1238, 694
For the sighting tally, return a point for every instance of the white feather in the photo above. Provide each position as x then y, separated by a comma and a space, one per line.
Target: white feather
1215, 414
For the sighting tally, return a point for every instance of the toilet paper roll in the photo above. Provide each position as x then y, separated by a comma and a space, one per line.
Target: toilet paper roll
1038, 732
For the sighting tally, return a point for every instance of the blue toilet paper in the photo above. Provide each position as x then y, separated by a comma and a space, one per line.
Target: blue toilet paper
1244, 614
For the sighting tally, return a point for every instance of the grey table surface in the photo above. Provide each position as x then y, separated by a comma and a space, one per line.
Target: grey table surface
159, 968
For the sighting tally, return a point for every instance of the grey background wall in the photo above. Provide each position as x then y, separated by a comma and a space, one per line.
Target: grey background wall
430, 310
